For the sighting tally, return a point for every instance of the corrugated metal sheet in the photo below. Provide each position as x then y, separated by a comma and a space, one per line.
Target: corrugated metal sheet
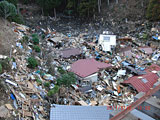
86, 67
137, 82
65, 112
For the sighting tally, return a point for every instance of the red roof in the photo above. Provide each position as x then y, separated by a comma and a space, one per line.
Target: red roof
86, 67
146, 81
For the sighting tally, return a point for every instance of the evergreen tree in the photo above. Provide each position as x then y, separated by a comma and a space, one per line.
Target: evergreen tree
7, 9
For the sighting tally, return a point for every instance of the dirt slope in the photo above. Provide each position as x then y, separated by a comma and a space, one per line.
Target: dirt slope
7, 37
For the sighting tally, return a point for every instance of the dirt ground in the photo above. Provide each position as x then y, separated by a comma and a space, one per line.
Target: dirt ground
5, 99
7, 37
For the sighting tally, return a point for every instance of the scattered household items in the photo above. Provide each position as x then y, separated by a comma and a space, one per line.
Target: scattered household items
83, 73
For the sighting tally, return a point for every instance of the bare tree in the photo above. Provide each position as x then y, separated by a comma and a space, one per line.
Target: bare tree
99, 6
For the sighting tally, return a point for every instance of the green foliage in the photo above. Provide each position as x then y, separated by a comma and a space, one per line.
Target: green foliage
13, 59
61, 70
47, 84
145, 36
82, 7
35, 40
5, 64
39, 81
66, 79
34, 35
49, 5
153, 10
43, 36
37, 48
32, 62
25, 38
0, 68
13, 2
71, 4
87, 8
17, 18
53, 91
71, 7
7, 9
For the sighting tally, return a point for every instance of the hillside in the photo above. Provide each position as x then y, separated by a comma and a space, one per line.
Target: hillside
7, 37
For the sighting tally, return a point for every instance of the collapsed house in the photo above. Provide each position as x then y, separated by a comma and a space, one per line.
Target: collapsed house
87, 70
70, 52
126, 52
146, 49
143, 83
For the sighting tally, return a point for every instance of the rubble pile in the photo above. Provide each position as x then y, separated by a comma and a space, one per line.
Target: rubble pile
32, 90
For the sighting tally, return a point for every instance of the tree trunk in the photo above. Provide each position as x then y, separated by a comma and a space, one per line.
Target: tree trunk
55, 13
42, 12
99, 6
116, 1
142, 4
88, 13
108, 2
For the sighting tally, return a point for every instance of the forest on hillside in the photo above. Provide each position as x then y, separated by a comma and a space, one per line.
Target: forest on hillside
79, 8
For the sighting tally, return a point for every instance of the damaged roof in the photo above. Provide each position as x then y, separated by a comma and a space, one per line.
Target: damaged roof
143, 83
126, 51
86, 67
65, 112
146, 49
66, 53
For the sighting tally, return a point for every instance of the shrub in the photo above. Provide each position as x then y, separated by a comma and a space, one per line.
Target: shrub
61, 71
43, 36
46, 84
39, 81
145, 36
37, 48
5, 64
66, 79
35, 40
17, 18
34, 35
32, 62
0, 68
13, 59
53, 91
25, 38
